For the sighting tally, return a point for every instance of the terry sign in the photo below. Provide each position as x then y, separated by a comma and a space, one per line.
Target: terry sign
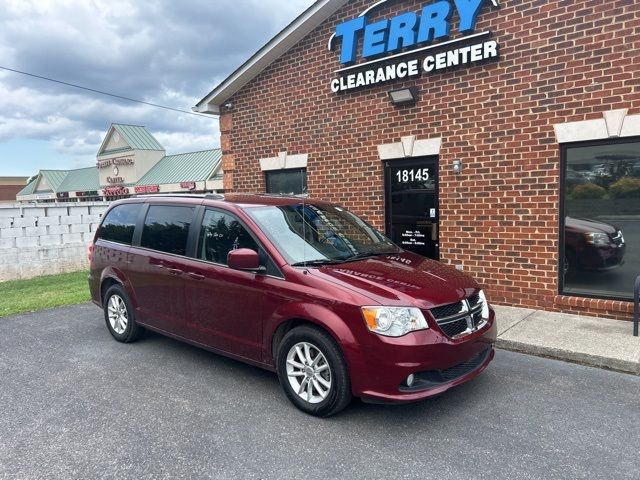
407, 33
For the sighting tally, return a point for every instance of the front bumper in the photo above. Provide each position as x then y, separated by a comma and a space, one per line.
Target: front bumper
438, 362
602, 258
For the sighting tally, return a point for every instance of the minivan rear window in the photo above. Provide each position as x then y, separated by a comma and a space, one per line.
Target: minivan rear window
166, 229
120, 223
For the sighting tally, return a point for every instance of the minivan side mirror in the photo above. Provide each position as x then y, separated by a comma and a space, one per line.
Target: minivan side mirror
244, 259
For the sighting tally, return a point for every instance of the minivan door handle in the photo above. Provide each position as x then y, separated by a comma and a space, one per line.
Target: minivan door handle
175, 271
195, 276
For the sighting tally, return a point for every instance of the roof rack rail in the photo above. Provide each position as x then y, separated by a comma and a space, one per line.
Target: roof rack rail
169, 195
214, 196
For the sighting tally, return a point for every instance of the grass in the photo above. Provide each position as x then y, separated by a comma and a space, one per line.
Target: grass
22, 296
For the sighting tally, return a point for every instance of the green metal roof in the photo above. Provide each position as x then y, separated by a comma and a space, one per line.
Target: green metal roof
81, 180
138, 137
28, 190
187, 167
54, 178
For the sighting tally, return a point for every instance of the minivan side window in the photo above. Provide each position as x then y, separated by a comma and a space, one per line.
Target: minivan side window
166, 229
220, 234
120, 223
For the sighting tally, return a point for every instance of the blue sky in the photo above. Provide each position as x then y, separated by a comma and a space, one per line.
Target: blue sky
166, 52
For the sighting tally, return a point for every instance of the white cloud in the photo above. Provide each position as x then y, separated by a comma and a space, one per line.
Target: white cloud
164, 52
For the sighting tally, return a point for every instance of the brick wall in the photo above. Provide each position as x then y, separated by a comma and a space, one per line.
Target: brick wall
46, 240
561, 61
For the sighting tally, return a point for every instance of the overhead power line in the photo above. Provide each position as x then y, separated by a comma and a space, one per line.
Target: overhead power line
93, 90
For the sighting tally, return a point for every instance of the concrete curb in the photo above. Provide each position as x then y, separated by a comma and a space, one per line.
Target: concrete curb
570, 356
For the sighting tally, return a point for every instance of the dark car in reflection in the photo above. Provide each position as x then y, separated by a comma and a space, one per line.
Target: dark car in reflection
592, 245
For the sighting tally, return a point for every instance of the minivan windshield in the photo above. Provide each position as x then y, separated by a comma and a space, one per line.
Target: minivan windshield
320, 234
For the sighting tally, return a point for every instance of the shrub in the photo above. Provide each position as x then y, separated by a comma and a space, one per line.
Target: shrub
588, 191
627, 187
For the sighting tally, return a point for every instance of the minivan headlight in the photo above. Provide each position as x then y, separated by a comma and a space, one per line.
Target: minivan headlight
485, 305
597, 238
394, 321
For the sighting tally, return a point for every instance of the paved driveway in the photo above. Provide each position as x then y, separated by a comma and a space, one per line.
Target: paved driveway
76, 404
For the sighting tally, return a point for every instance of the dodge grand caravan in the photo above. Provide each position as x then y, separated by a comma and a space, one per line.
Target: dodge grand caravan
300, 287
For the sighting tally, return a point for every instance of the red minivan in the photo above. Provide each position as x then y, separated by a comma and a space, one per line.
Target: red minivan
300, 287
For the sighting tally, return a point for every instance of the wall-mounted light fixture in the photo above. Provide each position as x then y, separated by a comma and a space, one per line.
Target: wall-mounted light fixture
404, 96
457, 167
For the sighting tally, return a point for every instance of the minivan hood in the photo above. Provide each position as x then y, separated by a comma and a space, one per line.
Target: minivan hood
588, 225
403, 279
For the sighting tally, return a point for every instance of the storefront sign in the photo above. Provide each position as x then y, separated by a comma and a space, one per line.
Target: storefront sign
115, 179
115, 191
62, 195
147, 189
384, 40
413, 238
188, 185
115, 161
92, 193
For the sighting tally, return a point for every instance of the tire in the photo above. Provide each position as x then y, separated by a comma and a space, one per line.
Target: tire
308, 352
570, 263
119, 316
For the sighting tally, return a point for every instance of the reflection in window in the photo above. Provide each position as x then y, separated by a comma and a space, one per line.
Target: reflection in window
166, 229
602, 219
287, 182
220, 234
307, 233
120, 223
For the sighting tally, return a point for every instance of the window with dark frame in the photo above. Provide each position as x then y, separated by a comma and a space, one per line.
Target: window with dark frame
120, 223
287, 182
166, 229
600, 219
220, 234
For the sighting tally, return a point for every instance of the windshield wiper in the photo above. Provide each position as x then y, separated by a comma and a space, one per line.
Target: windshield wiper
319, 262
363, 255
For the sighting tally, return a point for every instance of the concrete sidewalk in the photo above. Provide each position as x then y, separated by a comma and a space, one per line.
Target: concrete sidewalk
590, 341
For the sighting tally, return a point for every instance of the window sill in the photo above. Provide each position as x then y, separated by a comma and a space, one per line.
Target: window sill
596, 306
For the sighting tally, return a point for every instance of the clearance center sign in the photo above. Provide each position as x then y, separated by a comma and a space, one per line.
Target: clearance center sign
396, 42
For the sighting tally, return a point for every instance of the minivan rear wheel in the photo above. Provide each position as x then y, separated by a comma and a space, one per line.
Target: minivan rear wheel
119, 315
313, 372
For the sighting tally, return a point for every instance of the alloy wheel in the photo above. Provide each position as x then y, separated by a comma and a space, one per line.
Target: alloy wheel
118, 316
308, 372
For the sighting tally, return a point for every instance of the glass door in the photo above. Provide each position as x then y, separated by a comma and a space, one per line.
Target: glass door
412, 213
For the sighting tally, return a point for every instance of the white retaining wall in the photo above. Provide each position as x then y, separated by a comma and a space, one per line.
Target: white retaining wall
46, 239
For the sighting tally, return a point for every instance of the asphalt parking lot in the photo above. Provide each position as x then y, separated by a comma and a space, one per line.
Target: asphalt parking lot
76, 404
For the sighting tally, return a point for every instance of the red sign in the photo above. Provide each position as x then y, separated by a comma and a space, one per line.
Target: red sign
115, 191
188, 185
147, 189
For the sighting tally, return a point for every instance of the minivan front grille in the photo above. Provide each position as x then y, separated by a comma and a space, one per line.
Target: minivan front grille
618, 238
464, 368
446, 311
435, 378
460, 317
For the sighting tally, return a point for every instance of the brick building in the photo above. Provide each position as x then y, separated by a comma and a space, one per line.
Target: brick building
9, 187
499, 137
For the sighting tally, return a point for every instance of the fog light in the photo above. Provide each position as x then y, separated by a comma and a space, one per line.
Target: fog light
410, 380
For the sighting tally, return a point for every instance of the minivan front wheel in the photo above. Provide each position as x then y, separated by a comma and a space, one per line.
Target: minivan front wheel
119, 316
312, 372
